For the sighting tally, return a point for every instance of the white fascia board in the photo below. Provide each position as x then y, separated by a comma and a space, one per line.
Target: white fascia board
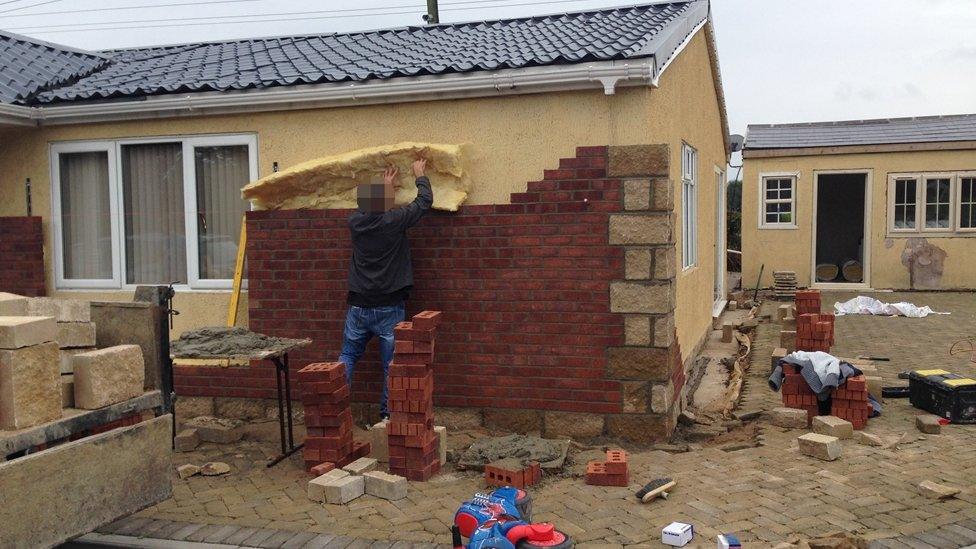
606, 74
15, 115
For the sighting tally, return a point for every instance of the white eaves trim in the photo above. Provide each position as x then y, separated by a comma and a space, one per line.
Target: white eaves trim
607, 75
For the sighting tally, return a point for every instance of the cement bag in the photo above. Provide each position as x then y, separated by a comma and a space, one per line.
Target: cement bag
330, 182
862, 305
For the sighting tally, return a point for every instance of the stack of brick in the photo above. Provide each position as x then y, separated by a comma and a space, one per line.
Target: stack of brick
413, 444
797, 392
815, 332
612, 472
850, 401
328, 417
807, 302
511, 472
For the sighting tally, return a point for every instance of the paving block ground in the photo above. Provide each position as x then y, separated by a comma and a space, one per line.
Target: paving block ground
763, 494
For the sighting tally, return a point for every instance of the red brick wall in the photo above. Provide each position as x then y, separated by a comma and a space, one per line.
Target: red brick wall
22, 256
524, 288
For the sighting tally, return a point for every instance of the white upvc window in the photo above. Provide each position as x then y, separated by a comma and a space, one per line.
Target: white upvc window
777, 201
936, 202
904, 193
966, 215
149, 211
689, 206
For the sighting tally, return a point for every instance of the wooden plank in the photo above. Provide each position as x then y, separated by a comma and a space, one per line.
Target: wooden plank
235, 294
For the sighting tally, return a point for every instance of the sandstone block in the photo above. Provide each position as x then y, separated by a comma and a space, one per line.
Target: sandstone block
634, 229
637, 194
664, 263
790, 418
316, 486
833, 426
867, 439
662, 395
664, 333
186, 440
344, 490
635, 396
639, 363
67, 355
23, 331
379, 444
638, 160
662, 195
12, 305
928, 424
63, 310
108, 376
441, 433
637, 330
218, 430
631, 297
934, 490
30, 386
77, 334
826, 448
67, 391
573, 425
360, 466
637, 263
385, 486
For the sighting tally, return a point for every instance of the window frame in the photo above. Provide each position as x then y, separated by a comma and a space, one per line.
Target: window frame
958, 197
689, 207
794, 178
926, 176
114, 150
893, 180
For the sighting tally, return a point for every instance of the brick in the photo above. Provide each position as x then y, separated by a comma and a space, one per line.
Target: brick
833, 426
186, 440
30, 386
63, 310
597, 475
505, 472
322, 468
385, 486
727, 332
823, 447
108, 376
426, 320
406, 331
928, 424
76, 334
616, 463
13, 304
23, 331
360, 466
790, 418
317, 486
778, 354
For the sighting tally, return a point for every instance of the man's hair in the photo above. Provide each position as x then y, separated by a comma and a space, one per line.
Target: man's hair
370, 197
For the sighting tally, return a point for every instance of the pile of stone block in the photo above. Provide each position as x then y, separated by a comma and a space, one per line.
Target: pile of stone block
784, 284
511, 472
30, 391
850, 401
328, 416
340, 486
611, 472
413, 444
815, 332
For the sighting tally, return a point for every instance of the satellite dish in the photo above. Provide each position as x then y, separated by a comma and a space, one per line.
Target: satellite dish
735, 142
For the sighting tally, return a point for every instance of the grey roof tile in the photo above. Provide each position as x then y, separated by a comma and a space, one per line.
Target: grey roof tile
886, 131
608, 34
28, 66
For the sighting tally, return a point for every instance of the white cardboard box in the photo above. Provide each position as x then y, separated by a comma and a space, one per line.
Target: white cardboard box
677, 534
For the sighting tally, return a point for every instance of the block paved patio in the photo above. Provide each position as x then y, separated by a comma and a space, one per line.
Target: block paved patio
763, 494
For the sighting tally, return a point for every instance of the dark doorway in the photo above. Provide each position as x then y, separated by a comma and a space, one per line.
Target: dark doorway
840, 228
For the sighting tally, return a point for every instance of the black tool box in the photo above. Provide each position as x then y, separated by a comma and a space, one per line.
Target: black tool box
944, 394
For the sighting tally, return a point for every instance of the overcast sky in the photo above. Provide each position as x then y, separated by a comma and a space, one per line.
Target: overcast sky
781, 60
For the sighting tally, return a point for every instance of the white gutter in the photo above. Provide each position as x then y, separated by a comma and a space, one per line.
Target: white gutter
15, 115
608, 75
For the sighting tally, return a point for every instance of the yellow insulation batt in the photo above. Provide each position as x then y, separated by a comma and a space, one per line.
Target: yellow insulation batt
331, 182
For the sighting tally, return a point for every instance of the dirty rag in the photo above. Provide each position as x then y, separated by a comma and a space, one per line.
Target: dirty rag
862, 305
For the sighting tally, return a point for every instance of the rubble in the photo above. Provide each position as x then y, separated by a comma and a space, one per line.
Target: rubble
934, 490
867, 439
551, 454
187, 470
186, 440
214, 468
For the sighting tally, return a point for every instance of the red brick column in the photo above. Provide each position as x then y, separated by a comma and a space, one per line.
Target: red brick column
22, 253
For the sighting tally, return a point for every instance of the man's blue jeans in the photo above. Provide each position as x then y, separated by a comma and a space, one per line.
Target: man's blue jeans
361, 325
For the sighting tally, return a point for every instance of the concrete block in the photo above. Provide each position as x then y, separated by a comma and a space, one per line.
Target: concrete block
934, 490
824, 447
928, 424
67, 391
76, 334
316, 486
218, 430
790, 418
12, 304
441, 433
67, 356
360, 466
23, 331
63, 310
344, 490
107, 376
30, 386
379, 443
833, 426
385, 486
186, 440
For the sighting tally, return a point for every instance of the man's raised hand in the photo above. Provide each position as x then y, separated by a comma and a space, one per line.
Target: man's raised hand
419, 166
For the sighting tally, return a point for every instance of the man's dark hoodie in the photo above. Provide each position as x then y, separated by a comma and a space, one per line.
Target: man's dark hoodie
380, 273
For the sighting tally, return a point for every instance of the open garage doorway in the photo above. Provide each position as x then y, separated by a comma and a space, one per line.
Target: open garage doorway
841, 255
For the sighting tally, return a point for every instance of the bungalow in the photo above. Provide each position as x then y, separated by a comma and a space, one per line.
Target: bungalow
578, 279
887, 204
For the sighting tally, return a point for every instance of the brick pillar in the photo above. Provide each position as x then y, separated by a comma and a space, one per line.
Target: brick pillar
22, 253
649, 364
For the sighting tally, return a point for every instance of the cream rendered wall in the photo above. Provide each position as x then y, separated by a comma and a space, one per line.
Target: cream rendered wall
784, 249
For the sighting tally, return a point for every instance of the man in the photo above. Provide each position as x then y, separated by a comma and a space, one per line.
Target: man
380, 274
